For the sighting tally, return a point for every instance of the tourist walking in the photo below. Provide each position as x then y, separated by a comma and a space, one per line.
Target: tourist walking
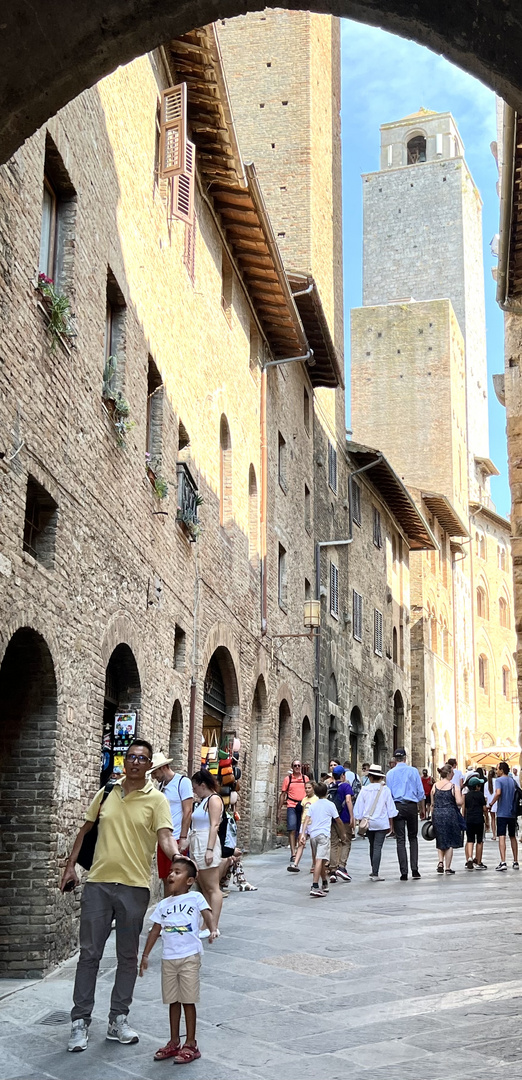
427, 782
408, 795
446, 800
474, 812
131, 818
310, 797
340, 793
204, 842
320, 817
292, 793
375, 808
489, 792
505, 800
458, 776
178, 790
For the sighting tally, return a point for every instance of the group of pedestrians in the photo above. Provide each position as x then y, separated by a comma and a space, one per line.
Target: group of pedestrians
341, 805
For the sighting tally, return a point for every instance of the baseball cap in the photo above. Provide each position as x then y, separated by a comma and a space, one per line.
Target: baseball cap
475, 782
338, 770
400, 752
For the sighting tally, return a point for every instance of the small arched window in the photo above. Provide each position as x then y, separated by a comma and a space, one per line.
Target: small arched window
434, 632
506, 679
416, 150
483, 672
395, 646
482, 603
501, 557
503, 612
225, 473
253, 515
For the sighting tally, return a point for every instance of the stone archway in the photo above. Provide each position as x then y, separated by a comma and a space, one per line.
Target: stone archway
398, 720
220, 698
356, 733
176, 737
28, 739
121, 709
91, 38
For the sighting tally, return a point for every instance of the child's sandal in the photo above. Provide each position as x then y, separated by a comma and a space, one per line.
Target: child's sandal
186, 1055
168, 1051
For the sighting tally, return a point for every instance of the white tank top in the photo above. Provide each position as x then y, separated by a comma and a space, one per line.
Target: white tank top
201, 817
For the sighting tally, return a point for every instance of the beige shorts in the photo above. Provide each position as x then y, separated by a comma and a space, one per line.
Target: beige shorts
320, 846
198, 847
180, 980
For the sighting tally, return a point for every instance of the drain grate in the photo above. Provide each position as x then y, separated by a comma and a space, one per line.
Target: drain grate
57, 1017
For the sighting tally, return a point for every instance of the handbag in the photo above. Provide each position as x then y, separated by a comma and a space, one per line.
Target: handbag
364, 823
86, 852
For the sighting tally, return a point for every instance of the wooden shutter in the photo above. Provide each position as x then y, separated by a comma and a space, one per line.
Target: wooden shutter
334, 590
182, 206
173, 131
377, 632
357, 615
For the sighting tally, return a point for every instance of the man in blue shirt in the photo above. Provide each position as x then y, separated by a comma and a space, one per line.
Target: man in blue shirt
505, 791
407, 792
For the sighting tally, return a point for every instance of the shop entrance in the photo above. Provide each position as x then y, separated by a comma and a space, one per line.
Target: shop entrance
121, 705
214, 704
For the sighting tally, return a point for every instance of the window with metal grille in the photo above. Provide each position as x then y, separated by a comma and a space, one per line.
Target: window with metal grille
377, 534
332, 467
334, 590
282, 579
356, 503
357, 614
41, 520
377, 632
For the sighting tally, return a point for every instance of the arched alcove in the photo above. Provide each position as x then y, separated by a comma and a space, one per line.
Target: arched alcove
379, 749
176, 737
398, 720
121, 705
356, 733
263, 796
307, 743
220, 697
284, 742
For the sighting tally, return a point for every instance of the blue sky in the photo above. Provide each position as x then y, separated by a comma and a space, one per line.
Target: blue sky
384, 79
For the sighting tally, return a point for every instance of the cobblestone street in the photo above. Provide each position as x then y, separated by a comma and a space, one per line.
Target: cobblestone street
394, 980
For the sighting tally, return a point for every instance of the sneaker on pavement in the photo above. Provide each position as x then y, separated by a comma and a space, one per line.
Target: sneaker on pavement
516, 866
343, 874
469, 864
415, 875
120, 1031
316, 891
376, 877
79, 1036
325, 886
501, 866
293, 869
333, 877
480, 866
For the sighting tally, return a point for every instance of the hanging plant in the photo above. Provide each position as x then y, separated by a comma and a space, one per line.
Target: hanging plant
153, 470
116, 403
58, 308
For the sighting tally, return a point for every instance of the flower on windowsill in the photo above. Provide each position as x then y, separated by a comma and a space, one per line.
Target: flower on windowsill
58, 310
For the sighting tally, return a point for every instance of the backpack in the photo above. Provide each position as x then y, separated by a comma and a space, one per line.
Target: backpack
334, 796
517, 802
355, 786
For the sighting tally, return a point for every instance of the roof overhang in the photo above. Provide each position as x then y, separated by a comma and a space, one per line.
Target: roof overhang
497, 519
441, 508
327, 369
397, 498
487, 465
509, 271
233, 190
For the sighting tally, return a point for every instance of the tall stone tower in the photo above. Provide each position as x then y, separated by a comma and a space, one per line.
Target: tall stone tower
423, 240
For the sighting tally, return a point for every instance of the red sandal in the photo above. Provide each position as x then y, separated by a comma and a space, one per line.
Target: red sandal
168, 1051
186, 1055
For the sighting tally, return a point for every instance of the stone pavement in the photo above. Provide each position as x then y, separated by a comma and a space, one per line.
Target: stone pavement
399, 981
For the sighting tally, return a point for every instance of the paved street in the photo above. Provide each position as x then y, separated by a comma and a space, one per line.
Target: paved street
393, 980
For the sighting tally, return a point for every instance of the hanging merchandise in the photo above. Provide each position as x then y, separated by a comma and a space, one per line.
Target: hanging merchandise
236, 746
124, 730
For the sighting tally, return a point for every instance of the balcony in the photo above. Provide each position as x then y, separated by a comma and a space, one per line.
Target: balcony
188, 502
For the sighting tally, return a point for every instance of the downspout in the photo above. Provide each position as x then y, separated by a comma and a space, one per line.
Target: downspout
193, 685
264, 504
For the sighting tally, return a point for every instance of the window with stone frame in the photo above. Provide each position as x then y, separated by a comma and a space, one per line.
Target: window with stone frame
225, 474
506, 681
483, 673
57, 230
306, 410
154, 420
115, 337
281, 461
356, 503
307, 509
332, 468
503, 612
282, 582
40, 523
377, 533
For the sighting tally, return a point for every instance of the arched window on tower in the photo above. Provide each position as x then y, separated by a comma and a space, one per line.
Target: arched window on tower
483, 673
416, 150
225, 473
506, 681
503, 612
482, 603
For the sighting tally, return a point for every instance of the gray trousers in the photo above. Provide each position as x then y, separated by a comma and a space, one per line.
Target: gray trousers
408, 819
101, 903
376, 838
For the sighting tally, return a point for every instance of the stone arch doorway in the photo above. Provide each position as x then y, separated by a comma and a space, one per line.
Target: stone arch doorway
90, 40
262, 796
398, 720
28, 734
307, 742
121, 708
176, 739
379, 749
356, 732
284, 742
220, 698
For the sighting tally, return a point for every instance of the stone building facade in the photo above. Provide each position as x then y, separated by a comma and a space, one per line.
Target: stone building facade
424, 358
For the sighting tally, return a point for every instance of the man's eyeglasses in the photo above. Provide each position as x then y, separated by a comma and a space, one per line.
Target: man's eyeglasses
296, 765
140, 758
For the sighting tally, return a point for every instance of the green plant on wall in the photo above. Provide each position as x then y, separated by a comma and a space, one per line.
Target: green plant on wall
118, 406
58, 309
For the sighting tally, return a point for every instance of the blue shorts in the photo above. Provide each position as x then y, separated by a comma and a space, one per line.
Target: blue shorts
506, 823
293, 818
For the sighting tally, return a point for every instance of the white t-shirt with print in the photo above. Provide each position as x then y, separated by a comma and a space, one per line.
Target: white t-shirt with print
178, 789
180, 921
321, 815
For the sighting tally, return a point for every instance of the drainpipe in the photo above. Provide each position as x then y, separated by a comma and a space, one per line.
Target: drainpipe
309, 356
192, 708
264, 504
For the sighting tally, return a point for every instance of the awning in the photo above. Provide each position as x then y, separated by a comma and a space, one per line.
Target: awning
441, 508
491, 755
395, 495
327, 369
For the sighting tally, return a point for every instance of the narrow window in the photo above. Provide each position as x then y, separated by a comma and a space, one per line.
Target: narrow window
395, 648
356, 508
154, 429
505, 682
307, 589
180, 642
377, 632
482, 606
255, 349
307, 509
306, 410
357, 615
332, 467
115, 343
483, 672
57, 232
281, 461
334, 590
41, 520
282, 580
503, 611
377, 535
225, 473
416, 150
253, 519
227, 280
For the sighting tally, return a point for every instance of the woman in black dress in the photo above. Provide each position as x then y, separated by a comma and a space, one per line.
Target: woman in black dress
446, 800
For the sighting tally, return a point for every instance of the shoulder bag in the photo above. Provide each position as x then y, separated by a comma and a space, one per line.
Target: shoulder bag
86, 852
364, 823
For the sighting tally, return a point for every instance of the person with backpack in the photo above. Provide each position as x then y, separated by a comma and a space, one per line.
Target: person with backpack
204, 841
506, 802
340, 794
353, 779
178, 790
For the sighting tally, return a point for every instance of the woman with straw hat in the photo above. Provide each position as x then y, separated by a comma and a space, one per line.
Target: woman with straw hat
374, 810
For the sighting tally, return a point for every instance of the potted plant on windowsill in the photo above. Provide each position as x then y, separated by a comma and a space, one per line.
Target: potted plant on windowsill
157, 480
116, 403
58, 310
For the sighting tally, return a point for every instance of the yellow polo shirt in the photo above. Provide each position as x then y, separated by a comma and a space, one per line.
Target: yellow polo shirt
127, 834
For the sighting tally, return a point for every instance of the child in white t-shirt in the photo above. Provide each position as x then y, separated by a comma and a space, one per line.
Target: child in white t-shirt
178, 919
320, 817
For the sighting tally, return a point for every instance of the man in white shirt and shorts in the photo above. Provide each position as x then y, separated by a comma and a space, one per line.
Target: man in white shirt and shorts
178, 790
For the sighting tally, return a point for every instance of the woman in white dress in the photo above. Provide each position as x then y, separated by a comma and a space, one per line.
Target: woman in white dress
204, 842
375, 804
489, 792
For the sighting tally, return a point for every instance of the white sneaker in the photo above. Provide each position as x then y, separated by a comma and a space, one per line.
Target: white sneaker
120, 1031
376, 877
79, 1036
501, 866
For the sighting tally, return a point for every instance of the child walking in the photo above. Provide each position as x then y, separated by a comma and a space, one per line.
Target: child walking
320, 817
178, 919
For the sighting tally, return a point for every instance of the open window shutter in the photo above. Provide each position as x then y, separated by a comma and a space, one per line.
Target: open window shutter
183, 188
173, 133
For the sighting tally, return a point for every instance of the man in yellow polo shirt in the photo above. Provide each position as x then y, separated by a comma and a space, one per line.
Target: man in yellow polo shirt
131, 820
